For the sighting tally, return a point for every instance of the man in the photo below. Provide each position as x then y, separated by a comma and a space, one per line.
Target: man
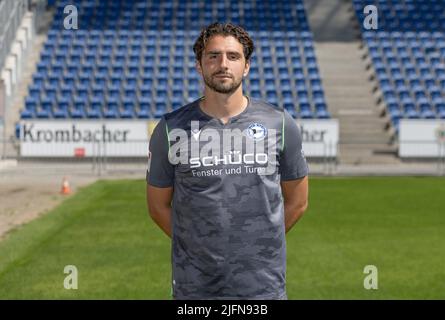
227, 202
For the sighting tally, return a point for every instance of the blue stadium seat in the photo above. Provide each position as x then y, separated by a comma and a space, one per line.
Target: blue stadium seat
144, 111
44, 111
322, 114
116, 79
27, 113
111, 110
128, 108
130, 90
305, 111
94, 108
61, 110
426, 110
440, 110
147, 81
176, 105
256, 94
160, 110
114, 90
77, 110
31, 104
290, 107
270, 84
145, 91
410, 110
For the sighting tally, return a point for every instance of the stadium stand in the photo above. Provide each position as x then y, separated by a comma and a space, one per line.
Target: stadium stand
134, 59
407, 54
16, 35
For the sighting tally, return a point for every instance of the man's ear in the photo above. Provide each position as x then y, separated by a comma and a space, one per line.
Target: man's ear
198, 66
246, 68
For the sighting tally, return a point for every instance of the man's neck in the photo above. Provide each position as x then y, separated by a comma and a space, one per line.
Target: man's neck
223, 106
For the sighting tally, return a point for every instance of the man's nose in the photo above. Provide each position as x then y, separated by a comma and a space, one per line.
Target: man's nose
223, 61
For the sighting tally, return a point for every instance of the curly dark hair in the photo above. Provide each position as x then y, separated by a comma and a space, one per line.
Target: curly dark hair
224, 29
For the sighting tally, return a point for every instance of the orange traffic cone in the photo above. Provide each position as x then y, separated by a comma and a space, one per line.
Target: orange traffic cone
65, 186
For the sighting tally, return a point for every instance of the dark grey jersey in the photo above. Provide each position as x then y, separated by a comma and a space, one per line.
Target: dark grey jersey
228, 232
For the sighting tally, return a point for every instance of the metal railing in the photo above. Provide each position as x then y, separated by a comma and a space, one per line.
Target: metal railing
330, 158
433, 149
441, 160
102, 158
99, 160
11, 14
105, 160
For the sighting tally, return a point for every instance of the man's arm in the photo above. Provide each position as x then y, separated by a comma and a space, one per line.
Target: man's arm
160, 178
295, 195
159, 207
294, 171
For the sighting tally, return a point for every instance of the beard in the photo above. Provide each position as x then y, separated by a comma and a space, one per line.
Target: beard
225, 87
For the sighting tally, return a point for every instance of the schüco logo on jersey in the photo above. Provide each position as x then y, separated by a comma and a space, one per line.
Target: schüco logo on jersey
256, 131
208, 147
234, 157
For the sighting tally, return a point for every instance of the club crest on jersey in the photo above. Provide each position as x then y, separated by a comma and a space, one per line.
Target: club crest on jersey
256, 131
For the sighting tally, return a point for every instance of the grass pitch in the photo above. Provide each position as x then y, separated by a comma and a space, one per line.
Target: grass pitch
395, 224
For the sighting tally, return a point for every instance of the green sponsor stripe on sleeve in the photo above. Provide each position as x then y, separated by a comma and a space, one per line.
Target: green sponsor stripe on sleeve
282, 134
168, 141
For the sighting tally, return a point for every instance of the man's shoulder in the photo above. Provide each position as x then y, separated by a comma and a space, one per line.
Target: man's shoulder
180, 116
266, 107
180, 112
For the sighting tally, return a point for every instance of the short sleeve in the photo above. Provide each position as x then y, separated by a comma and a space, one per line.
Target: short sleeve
292, 161
161, 171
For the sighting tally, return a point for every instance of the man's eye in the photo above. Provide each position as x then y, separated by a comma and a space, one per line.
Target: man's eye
233, 57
